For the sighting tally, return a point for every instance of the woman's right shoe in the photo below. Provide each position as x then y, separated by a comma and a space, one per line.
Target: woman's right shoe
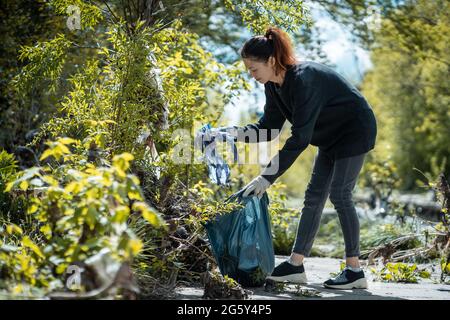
347, 279
288, 272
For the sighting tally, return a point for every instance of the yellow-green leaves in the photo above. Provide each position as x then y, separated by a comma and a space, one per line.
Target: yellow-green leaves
23, 185
46, 230
135, 246
84, 13
13, 229
259, 14
58, 148
400, 272
32, 208
418, 51
73, 187
122, 163
79, 208
28, 243
90, 214
148, 213
26, 175
120, 214
46, 63
445, 269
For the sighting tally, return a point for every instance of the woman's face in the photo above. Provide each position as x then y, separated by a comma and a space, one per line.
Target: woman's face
260, 71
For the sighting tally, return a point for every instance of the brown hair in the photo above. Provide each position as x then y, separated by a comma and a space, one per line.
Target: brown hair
274, 43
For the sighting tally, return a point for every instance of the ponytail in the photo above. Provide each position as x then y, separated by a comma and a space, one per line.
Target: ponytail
274, 43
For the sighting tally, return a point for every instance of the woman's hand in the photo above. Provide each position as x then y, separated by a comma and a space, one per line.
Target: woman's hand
258, 186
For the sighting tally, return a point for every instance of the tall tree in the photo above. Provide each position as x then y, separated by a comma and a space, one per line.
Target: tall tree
409, 87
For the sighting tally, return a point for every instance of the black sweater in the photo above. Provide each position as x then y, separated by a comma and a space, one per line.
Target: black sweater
325, 110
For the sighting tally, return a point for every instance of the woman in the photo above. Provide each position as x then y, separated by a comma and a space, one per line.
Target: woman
326, 111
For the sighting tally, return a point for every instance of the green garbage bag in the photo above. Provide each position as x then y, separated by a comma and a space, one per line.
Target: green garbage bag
241, 241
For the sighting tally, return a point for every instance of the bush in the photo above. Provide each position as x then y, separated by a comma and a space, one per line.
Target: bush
76, 210
284, 220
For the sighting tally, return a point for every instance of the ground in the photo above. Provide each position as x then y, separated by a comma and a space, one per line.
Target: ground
318, 270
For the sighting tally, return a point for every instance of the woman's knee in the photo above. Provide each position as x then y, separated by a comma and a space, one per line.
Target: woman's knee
341, 198
314, 196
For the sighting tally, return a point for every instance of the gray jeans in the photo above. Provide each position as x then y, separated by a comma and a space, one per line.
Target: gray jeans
335, 178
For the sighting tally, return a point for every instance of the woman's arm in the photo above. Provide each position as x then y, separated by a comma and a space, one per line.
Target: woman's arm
267, 128
308, 102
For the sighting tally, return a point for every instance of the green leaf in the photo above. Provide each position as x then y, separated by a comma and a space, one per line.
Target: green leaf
12, 228
47, 153
134, 195
27, 242
122, 161
61, 268
91, 217
135, 246
46, 230
67, 140
9, 186
148, 214
121, 214
32, 209
24, 185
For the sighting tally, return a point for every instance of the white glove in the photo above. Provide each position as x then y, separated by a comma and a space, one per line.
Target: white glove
258, 186
231, 131
214, 133
198, 140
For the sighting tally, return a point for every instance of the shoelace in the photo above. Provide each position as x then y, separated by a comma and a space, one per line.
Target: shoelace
341, 277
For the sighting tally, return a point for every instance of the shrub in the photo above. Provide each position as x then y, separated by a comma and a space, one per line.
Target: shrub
76, 209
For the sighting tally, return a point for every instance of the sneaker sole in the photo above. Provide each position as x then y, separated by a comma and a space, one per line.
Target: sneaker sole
358, 284
299, 278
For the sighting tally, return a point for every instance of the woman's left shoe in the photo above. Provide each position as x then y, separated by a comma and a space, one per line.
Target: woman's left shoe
347, 279
288, 272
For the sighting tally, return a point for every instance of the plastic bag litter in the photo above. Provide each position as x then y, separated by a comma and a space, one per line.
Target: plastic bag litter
218, 169
241, 241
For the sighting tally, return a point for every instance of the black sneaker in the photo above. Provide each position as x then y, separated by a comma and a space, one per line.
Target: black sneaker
347, 279
288, 272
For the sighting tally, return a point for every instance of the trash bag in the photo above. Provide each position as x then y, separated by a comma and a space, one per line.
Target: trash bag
241, 241
218, 169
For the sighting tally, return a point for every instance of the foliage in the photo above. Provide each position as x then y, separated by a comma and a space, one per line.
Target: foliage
385, 233
11, 208
90, 14
381, 176
307, 292
412, 103
445, 269
400, 272
23, 23
77, 209
284, 220
442, 188
207, 208
8, 168
258, 15
218, 287
119, 93
46, 63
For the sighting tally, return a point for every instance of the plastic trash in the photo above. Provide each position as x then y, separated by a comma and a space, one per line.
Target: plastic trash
241, 241
218, 169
